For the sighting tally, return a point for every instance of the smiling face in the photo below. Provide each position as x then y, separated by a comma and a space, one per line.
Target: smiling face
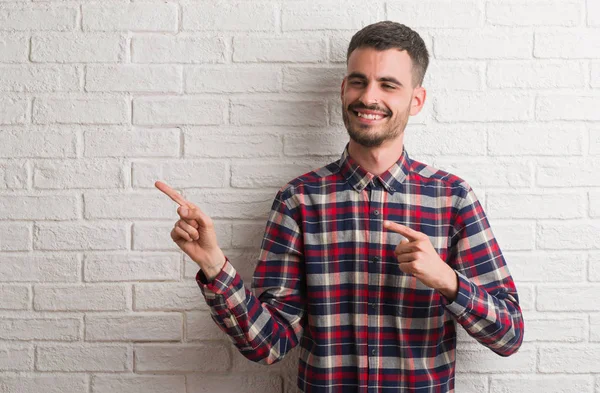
378, 95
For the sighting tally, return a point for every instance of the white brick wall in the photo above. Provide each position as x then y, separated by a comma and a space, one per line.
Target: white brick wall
227, 101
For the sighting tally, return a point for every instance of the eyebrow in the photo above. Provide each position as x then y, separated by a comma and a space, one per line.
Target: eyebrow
360, 75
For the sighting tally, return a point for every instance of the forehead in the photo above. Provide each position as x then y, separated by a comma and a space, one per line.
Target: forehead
375, 63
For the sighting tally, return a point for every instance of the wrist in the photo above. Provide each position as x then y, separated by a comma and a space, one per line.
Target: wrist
214, 267
450, 287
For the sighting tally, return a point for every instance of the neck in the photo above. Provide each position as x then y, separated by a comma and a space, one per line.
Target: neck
376, 160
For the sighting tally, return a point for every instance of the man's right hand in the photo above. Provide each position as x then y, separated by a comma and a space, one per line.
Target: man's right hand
195, 234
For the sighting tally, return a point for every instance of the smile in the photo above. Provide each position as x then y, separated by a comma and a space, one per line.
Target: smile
369, 117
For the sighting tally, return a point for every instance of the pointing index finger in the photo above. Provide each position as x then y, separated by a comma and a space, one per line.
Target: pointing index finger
171, 193
405, 231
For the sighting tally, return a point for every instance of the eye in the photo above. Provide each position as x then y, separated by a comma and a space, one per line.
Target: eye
356, 83
388, 86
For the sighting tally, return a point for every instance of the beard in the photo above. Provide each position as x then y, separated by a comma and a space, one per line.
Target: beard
365, 134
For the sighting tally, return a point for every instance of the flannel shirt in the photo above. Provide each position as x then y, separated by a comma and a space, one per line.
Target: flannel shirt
327, 278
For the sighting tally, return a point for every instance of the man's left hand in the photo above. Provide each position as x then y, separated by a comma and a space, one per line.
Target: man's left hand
418, 258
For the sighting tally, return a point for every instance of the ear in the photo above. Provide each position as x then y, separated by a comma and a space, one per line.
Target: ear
418, 100
343, 88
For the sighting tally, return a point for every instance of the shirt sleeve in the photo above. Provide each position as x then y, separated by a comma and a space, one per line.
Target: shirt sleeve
266, 324
487, 304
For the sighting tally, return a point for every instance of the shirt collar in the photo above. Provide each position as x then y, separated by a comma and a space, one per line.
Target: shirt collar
359, 178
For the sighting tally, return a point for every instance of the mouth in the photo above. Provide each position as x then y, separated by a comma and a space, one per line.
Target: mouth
368, 117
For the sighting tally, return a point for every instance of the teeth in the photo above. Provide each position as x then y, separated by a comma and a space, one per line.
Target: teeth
369, 116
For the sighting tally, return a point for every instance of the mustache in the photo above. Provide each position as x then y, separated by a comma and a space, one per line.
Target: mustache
360, 105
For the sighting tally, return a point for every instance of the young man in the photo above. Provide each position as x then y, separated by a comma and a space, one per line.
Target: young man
370, 262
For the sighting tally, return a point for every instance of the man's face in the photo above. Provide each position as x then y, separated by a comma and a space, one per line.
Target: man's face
378, 95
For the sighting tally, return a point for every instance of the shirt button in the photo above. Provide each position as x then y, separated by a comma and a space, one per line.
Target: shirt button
375, 260
372, 305
373, 352
376, 212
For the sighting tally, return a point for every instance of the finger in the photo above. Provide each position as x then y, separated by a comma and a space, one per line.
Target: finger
190, 230
405, 231
406, 257
194, 213
182, 234
171, 193
407, 268
404, 246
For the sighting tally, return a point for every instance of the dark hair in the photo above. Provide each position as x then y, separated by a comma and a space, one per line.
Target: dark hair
387, 35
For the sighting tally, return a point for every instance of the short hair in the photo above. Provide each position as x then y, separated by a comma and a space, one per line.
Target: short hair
387, 35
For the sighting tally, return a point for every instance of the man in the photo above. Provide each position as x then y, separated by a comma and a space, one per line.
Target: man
370, 262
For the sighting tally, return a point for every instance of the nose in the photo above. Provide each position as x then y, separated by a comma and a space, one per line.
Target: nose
370, 95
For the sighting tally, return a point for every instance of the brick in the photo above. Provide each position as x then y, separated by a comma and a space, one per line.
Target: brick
130, 17
137, 142
234, 16
497, 44
574, 359
131, 267
293, 50
338, 46
157, 235
14, 48
15, 236
238, 383
78, 174
80, 236
178, 110
14, 297
594, 267
128, 205
593, 14
213, 174
80, 298
580, 107
134, 78
329, 15
595, 77
485, 361
434, 14
81, 111
483, 107
278, 113
451, 75
594, 328
320, 80
328, 141
536, 205
78, 48
168, 297
138, 383
567, 44
487, 173
177, 49
22, 207
238, 142
13, 110
594, 140
540, 383
526, 296
43, 78
16, 358
38, 18
471, 383
14, 176
557, 329
187, 358
581, 235
446, 140
40, 329
248, 234
574, 297
136, 327
534, 139
39, 268
232, 80
514, 236
83, 358
513, 13
547, 267
233, 204
38, 142
266, 174
44, 383
200, 326
560, 173
546, 74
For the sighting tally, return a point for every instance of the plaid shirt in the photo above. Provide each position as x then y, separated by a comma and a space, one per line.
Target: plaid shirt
327, 278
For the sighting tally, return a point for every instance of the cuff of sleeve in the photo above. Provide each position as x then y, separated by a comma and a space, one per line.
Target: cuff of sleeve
221, 284
464, 298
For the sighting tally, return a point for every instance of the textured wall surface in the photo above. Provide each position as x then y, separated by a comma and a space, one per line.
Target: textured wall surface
227, 101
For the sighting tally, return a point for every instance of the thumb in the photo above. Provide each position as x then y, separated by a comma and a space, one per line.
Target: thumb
193, 213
